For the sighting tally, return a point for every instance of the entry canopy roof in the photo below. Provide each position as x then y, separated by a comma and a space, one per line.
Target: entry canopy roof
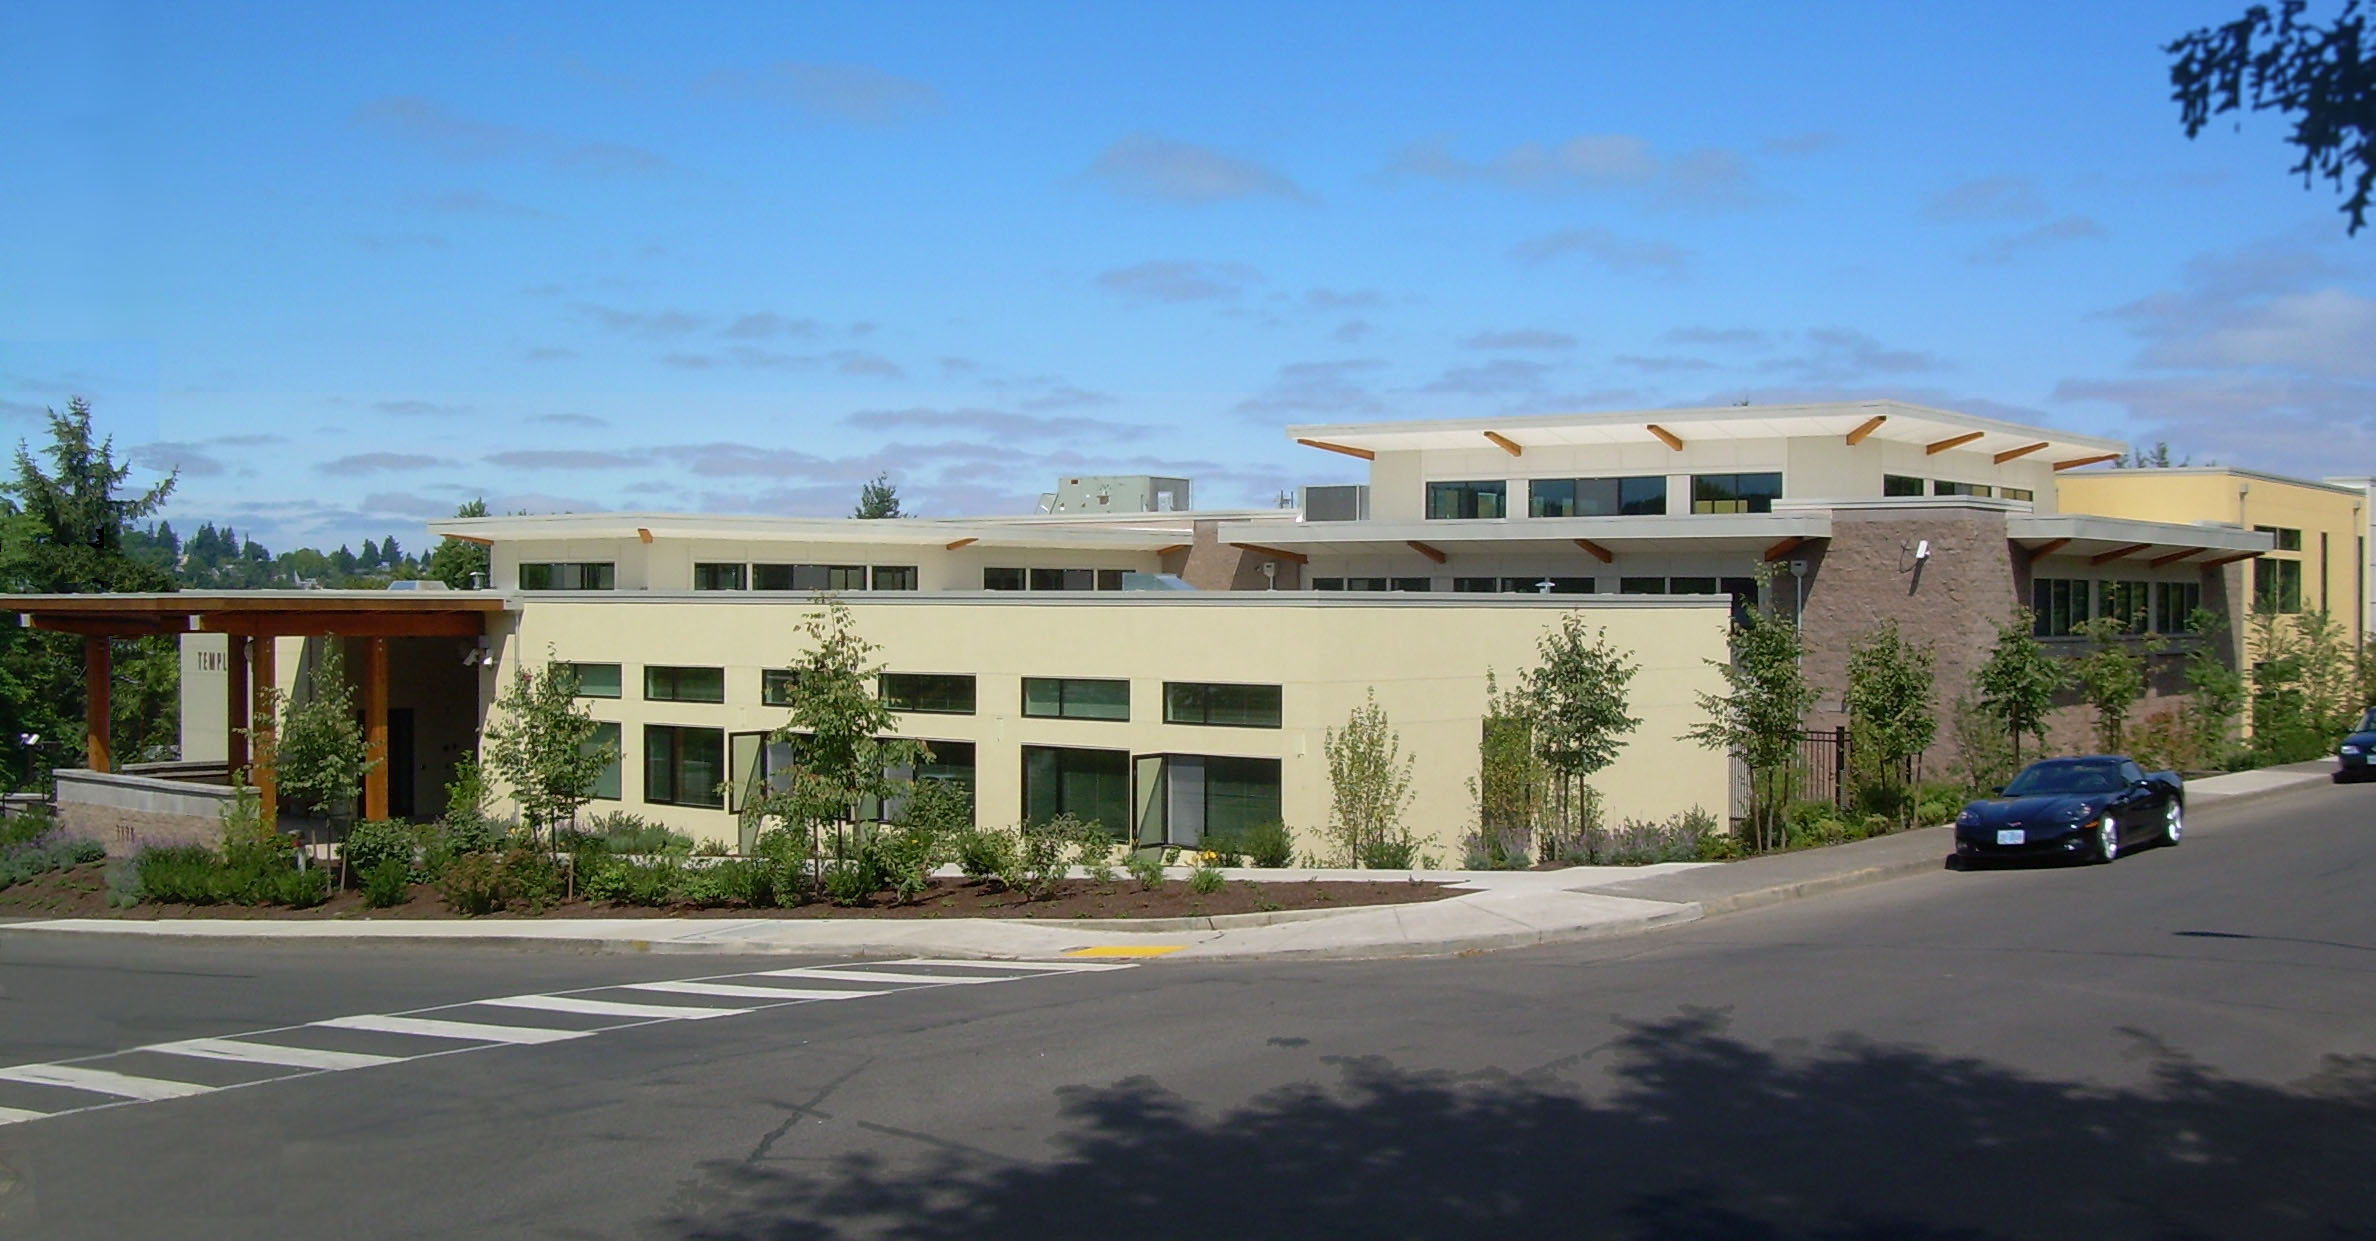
2109, 540
1854, 422
1147, 532
263, 613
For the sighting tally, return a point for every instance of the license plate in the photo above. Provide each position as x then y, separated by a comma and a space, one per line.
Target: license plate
2012, 836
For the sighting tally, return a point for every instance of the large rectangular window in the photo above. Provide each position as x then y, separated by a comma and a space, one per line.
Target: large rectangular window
606, 781
569, 575
1090, 785
1411, 585
1233, 706
1900, 485
1480, 498
2016, 493
1003, 579
776, 685
2061, 604
894, 577
1549, 585
595, 680
2174, 605
1076, 698
716, 576
1735, 493
1597, 497
1474, 586
684, 766
1641, 585
1195, 799
932, 693
1945, 488
2277, 585
2288, 538
2131, 604
665, 684
808, 577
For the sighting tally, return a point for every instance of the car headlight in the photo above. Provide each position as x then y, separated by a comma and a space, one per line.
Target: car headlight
2351, 749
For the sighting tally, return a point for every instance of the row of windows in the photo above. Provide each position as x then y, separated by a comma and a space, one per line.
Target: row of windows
569, 575
2063, 604
1187, 797
1907, 485
1603, 497
1052, 579
1739, 586
938, 693
735, 575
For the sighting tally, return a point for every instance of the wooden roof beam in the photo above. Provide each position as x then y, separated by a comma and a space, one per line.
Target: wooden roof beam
1935, 447
1506, 444
112, 626
349, 625
2048, 548
1169, 548
1867, 427
1785, 547
960, 543
643, 534
1275, 553
1669, 438
2098, 459
2229, 559
1347, 449
2023, 451
2117, 552
2173, 557
469, 538
1432, 553
1600, 553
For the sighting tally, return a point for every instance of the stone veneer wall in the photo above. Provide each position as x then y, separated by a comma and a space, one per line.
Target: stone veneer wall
128, 812
1210, 564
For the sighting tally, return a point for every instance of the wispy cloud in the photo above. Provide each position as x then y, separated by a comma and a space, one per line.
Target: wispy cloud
1520, 338
1708, 178
389, 243
1802, 143
380, 462
1156, 169
463, 140
1343, 299
855, 94
1988, 198
767, 325
1836, 355
588, 421
1178, 281
548, 353
474, 202
1501, 375
994, 423
2045, 236
165, 456
1626, 256
1723, 337
1661, 364
415, 408
565, 459
649, 324
1335, 388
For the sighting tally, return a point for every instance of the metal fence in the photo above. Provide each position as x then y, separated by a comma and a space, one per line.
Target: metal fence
1825, 756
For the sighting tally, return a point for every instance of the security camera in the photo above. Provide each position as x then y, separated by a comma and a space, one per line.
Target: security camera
1922, 549
1798, 568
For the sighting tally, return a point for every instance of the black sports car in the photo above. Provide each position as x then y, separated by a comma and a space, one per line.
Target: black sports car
2091, 807
2355, 759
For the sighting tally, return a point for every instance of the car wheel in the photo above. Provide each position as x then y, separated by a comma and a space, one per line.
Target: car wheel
2107, 841
2175, 825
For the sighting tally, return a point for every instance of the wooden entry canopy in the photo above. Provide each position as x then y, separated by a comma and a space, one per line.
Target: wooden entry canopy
251, 619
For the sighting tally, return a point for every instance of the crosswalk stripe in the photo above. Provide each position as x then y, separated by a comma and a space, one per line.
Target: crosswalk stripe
11, 1115
612, 1008
742, 992
240, 1051
865, 975
1052, 967
101, 1081
430, 1028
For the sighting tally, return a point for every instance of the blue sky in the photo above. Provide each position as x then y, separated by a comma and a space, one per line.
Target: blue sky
348, 268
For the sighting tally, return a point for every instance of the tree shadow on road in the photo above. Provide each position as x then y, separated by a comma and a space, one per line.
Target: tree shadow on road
1703, 1138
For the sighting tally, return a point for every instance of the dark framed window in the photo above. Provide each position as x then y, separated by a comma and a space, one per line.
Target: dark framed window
952, 761
606, 781
1415, 585
1559, 585
1328, 583
1641, 585
2061, 604
1191, 799
2130, 603
1109, 579
894, 577
1219, 705
717, 576
569, 575
1744, 597
931, 693
2277, 585
1479, 498
684, 766
2174, 605
1691, 585
666, 684
1474, 585
595, 680
1900, 485
1365, 583
1643, 495
2022, 494
808, 577
1090, 785
1945, 488
1076, 698
776, 685
1735, 493
1003, 579
2288, 538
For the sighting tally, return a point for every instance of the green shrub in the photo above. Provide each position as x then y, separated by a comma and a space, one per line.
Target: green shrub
1044, 853
904, 857
472, 884
25, 826
1146, 869
634, 836
1205, 880
297, 889
529, 878
987, 853
739, 881
1719, 847
1389, 853
29, 859
650, 884
181, 875
850, 880
605, 883
387, 882
1269, 845
374, 841
1097, 855
782, 874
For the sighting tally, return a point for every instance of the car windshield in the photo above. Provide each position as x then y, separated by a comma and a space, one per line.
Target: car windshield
2065, 779
2367, 722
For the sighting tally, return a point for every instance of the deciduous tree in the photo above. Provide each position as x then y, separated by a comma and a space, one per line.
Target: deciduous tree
2322, 77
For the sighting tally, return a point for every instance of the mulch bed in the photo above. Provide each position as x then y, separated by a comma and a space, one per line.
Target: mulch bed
81, 892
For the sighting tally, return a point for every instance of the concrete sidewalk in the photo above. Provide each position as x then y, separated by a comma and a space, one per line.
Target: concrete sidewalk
1496, 909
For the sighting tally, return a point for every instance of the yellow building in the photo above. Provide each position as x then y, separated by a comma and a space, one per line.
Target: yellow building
2320, 557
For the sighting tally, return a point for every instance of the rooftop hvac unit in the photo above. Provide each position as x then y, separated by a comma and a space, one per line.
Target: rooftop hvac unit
1341, 502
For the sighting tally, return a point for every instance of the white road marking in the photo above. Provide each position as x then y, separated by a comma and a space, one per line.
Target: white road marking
101, 1081
427, 1027
869, 976
240, 1051
613, 1008
11, 1115
747, 992
1049, 967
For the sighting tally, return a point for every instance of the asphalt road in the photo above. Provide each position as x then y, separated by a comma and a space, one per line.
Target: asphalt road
2179, 1045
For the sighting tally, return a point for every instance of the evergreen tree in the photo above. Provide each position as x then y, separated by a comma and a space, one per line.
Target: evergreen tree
455, 562
878, 499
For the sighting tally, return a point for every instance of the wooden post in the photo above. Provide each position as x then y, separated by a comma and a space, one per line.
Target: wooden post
96, 675
375, 727
263, 679
235, 704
